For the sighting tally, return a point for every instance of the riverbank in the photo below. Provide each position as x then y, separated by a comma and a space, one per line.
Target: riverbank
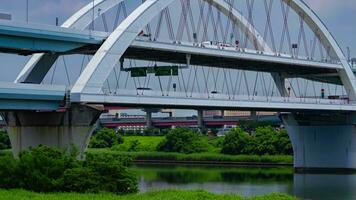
200, 158
157, 195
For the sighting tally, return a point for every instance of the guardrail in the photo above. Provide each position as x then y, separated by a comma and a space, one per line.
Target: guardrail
247, 98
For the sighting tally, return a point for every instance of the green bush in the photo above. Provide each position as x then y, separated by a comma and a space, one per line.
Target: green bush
45, 169
183, 140
105, 138
41, 169
4, 140
266, 141
236, 142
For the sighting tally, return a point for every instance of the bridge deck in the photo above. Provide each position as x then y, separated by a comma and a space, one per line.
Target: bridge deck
32, 38
31, 97
218, 102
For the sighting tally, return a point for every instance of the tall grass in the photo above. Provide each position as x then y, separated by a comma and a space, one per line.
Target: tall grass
156, 195
208, 157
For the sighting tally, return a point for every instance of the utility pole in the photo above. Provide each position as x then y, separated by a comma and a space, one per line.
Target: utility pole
27, 11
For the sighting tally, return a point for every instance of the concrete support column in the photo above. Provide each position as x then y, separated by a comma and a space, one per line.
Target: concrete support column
56, 129
201, 119
322, 142
149, 123
279, 80
254, 115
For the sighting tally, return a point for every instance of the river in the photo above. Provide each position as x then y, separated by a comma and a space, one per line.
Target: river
247, 181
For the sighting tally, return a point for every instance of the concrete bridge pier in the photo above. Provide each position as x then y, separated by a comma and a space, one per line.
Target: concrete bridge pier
56, 129
322, 142
149, 123
200, 119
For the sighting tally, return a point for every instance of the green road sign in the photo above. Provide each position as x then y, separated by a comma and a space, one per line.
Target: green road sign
139, 72
175, 71
163, 71
158, 71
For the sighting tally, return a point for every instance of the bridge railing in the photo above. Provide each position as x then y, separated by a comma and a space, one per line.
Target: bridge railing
231, 48
245, 98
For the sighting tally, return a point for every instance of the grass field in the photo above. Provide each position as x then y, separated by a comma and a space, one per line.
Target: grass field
158, 195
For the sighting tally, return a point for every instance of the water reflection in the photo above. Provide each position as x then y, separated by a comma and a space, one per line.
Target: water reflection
325, 187
247, 181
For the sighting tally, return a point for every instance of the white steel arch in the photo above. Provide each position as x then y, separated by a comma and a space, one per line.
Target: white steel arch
80, 20
83, 18
311, 18
99, 68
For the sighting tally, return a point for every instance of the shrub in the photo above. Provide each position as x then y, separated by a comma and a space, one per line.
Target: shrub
134, 144
4, 140
105, 138
236, 142
151, 132
252, 125
266, 141
112, 174
8, 172
183, 140
45, 169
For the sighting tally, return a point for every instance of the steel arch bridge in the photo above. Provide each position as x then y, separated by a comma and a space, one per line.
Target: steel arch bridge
201, 54
216, 53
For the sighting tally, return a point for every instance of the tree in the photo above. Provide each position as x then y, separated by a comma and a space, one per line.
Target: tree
105, 138
284, 145
4, 140
265, 141
236, 142
183, 140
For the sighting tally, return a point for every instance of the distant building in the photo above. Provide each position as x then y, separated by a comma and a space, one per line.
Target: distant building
235, 113
212, 113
